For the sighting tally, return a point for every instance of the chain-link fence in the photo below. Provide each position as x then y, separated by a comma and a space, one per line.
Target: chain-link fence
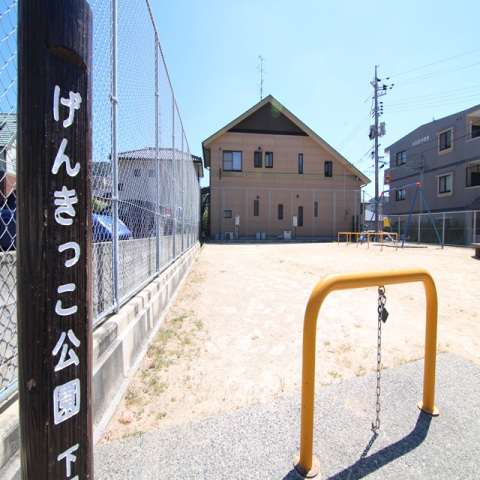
146, 196
452, 228
8, 131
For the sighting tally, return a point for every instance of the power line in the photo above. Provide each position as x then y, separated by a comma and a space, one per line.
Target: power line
391, 60
433, 74
434, 63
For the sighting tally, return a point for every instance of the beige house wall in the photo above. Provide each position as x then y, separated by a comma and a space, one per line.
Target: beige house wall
338, 197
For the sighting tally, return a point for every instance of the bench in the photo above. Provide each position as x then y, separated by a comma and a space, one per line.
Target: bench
476, 246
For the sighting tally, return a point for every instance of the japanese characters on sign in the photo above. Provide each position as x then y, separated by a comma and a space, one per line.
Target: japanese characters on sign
66, 396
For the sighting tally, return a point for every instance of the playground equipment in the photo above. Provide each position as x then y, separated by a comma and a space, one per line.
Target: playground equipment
418, 188
359, 235
304, 462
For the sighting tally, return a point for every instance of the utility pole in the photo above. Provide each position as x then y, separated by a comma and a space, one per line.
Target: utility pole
375, 86
377, 130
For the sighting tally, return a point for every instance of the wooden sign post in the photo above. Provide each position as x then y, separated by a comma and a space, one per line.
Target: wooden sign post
54, 217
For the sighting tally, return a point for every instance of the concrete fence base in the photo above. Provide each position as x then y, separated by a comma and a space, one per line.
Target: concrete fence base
118, 347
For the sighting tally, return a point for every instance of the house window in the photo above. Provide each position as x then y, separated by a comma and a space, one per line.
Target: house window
400, 194
300, 217
401, 158
445, 184
232, 161
257, 159
268, 159
280, 211
227, 214
445, 141
136, 172
300, 163
315, 209
328, 168
256, 208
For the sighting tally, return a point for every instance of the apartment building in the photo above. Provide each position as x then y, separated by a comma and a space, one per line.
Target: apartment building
444, 157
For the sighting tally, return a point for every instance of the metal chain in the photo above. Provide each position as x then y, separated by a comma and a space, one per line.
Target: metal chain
381, 318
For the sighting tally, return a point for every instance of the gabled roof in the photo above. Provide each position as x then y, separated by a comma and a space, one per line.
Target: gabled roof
150, 154
271, 117
8, 129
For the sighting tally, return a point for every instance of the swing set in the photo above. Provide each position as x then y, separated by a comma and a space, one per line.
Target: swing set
304, 462
418, 188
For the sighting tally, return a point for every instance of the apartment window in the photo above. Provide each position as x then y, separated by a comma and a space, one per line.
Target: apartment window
227, 214
473, 175
328, 168
280, 211
475, 131
136, 172
401, 158
315, 209
257, 159
232, 161
445, 141
300, 163
268, 159
256, 208
120, 187
151, 173
444, 184
300, 217
400, 194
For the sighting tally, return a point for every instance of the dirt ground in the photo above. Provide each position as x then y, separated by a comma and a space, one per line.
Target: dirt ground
233, 336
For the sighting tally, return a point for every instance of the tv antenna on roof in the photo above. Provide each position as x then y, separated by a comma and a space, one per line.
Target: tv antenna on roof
261, 76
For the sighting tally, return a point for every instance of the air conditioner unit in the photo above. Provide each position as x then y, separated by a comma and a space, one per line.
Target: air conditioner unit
229, 236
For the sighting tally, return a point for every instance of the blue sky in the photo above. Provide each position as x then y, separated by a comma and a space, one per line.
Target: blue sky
319, 60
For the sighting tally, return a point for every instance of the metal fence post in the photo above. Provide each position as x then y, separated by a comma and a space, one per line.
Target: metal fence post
183, 194
174, 176
114, 99
474, 236
55, 239
443, 229
157, 157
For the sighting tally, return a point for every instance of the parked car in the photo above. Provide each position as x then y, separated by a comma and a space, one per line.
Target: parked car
101, 226
103, 229
139, 217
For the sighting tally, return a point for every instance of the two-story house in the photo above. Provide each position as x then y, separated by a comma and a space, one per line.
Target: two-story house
270, 173
444, 157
